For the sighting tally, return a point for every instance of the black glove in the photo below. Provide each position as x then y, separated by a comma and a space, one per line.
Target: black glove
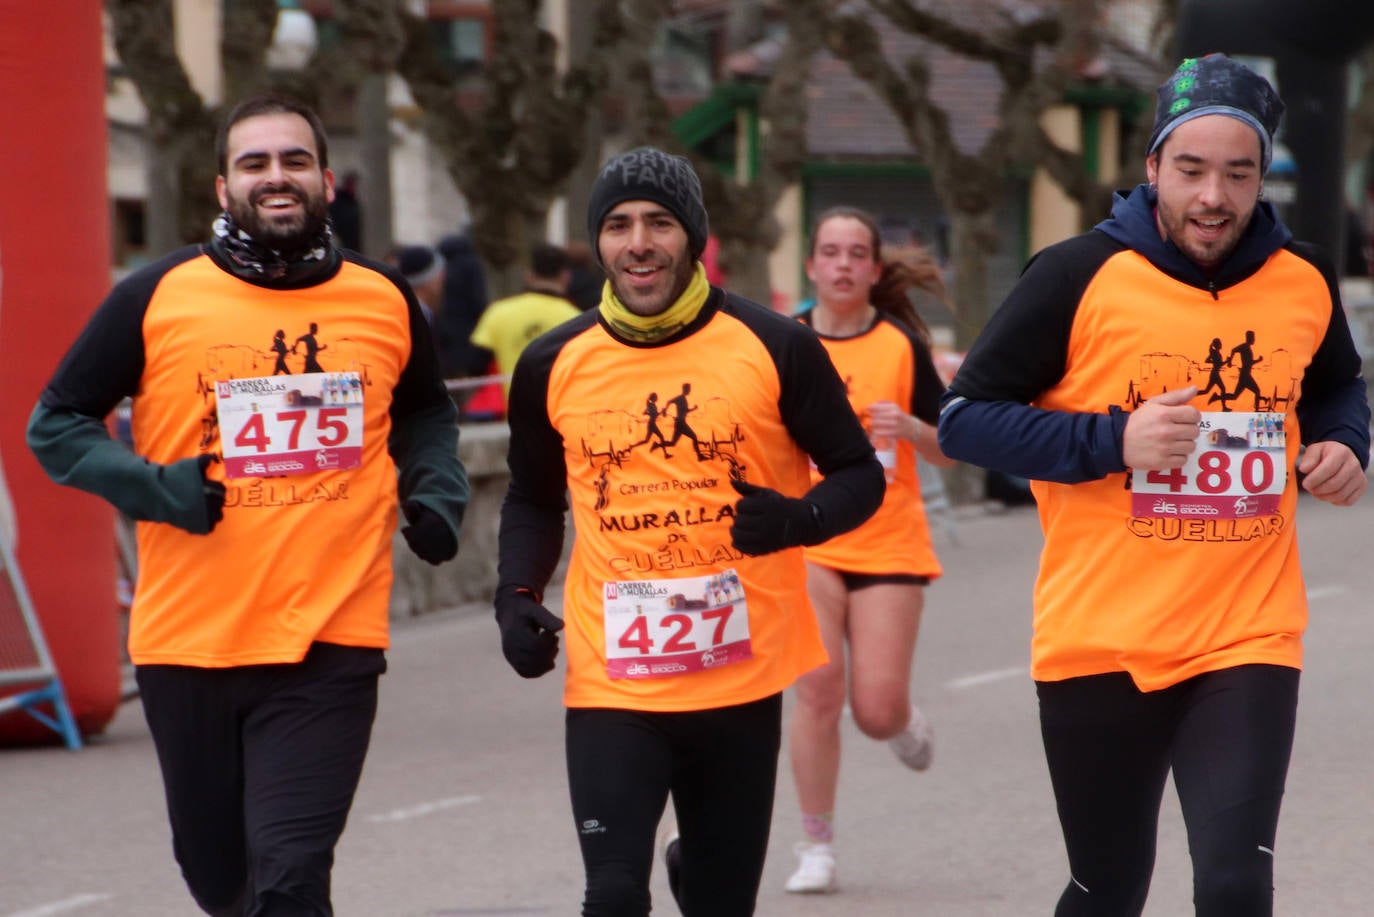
428, 535
529, 632
214, 493
766, 521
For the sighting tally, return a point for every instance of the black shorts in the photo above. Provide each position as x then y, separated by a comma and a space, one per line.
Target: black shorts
856, 581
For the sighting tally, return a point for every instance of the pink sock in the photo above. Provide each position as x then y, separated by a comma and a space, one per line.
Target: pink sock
819, 829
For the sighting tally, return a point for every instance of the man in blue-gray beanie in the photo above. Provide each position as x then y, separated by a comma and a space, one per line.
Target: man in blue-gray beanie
1170, 605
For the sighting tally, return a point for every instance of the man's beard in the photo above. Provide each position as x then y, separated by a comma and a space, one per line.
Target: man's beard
287, 234
646, 304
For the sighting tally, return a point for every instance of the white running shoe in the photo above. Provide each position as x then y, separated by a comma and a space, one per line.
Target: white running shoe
914, 746
816, 873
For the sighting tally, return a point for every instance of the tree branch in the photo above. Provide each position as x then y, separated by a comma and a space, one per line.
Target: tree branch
1071, 35
911, 16
784, 107
446, 123
246, 36
144, 40
586, 79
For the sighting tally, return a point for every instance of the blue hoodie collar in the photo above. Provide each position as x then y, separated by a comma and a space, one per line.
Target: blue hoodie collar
1132, 223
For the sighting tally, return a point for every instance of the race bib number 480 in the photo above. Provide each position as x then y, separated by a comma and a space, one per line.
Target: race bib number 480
281, 425
1237, 470
657, 628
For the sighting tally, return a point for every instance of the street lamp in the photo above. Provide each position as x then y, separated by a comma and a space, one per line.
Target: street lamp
294, 39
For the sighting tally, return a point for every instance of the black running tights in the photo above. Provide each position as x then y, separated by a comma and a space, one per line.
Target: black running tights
720, 767
1227, 735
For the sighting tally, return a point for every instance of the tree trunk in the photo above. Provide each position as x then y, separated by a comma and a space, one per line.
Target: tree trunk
515, 224
748, 265
970, 232
160, 211
373, 116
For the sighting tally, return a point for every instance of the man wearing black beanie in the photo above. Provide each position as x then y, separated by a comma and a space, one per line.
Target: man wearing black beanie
685, 604
648, 174
1170, 605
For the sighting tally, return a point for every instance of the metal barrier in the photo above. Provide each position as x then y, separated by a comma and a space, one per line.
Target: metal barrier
24, 657
473, 382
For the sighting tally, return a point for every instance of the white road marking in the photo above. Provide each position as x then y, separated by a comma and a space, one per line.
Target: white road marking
424, 808
983, 678
59, 907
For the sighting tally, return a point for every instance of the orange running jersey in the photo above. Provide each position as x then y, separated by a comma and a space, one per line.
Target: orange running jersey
887, 363
648, 438
1223, 592
1163, 575
303, 552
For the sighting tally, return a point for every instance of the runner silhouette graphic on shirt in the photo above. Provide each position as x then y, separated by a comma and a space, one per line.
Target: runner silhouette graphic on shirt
680, 425
1216, 361
312, 347
1246, 381
279, 348
653, 413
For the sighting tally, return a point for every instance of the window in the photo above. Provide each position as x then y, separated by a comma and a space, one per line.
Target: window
462, 43
128, 240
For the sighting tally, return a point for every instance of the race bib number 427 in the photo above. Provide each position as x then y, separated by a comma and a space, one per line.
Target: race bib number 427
658, 628
282, 425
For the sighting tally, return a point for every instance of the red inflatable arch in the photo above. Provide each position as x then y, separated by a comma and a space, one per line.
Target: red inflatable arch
55, 257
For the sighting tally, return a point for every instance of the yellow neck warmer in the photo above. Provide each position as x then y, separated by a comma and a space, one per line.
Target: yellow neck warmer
650, 328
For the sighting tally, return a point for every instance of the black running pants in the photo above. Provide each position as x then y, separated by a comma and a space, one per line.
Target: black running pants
260, 764
720, 767
1226, 735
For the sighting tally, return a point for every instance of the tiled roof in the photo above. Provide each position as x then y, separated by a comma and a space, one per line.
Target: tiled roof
847, 118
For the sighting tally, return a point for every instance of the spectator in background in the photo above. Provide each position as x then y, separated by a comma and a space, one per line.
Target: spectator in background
465, 296
423, 268
585, 277
346, 214
509, 324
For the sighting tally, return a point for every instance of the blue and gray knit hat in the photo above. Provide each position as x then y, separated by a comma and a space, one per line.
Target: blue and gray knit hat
1217, 85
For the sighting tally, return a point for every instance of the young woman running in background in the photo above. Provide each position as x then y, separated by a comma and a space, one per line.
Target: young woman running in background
867, 586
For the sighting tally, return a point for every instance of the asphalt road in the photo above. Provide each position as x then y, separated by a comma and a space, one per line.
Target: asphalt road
463, 808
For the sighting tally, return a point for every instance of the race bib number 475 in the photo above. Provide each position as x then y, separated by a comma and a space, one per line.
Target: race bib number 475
281, 425
657, 628
1237, 470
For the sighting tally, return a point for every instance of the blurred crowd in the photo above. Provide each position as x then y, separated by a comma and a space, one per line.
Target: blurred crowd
478, 338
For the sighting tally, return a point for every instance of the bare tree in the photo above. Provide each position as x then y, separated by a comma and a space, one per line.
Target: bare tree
181, 124
511, 147
180, 129
747, 229
741, 207
509, 154
1036, 54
